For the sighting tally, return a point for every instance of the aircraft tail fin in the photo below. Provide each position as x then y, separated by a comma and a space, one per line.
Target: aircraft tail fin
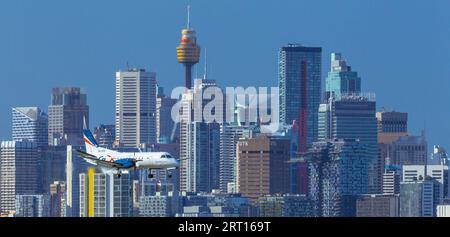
90, 142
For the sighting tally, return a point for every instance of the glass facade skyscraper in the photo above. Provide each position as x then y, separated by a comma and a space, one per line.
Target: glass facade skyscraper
299, 78
341, 79
30, 123
349, 114
353, 117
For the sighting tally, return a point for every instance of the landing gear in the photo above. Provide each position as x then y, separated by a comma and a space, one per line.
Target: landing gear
169, 176
119, 174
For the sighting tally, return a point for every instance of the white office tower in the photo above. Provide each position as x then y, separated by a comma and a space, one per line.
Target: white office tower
74, 166
230, 134
199, 141
18, 172
135, 108
30, 123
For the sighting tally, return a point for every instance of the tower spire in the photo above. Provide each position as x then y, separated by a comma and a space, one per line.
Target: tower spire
189, 17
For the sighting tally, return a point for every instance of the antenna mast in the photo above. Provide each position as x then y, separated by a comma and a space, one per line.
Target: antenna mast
189, 17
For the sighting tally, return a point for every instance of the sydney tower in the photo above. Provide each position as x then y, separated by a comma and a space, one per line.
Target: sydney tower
188, 52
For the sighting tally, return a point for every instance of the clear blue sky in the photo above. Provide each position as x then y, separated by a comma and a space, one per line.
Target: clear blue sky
401, 49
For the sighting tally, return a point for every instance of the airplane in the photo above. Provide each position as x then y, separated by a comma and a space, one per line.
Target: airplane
120, 161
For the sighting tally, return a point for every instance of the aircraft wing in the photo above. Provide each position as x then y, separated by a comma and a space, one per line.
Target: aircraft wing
98, 161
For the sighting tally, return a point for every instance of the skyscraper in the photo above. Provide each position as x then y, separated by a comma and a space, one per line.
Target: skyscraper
58, 199
32, 205
353, 117
105, 195
409, 150
417, 198
439, 173
230, 134
391, 126
202, 166
341, 79
166, 129
299, 78
262, 166
338, 171
135, 108
74, 167
18, 172
349, 114
66, 115
199, 142
188, 52
105, 135
30, 123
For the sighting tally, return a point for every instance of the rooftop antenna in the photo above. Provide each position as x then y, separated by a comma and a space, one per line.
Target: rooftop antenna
205, 76
189, 17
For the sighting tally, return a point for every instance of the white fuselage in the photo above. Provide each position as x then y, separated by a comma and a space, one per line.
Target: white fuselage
144, 160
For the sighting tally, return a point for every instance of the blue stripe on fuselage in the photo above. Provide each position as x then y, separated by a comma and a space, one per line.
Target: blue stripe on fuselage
126, 163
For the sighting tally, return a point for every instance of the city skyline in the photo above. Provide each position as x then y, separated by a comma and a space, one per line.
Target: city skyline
343, 132
210, 25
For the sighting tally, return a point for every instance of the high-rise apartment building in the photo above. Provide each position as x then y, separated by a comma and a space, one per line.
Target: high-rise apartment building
31, 124
19, 172
338, 172
105, 195
66, 115
299, 78
199, 142
135, 108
